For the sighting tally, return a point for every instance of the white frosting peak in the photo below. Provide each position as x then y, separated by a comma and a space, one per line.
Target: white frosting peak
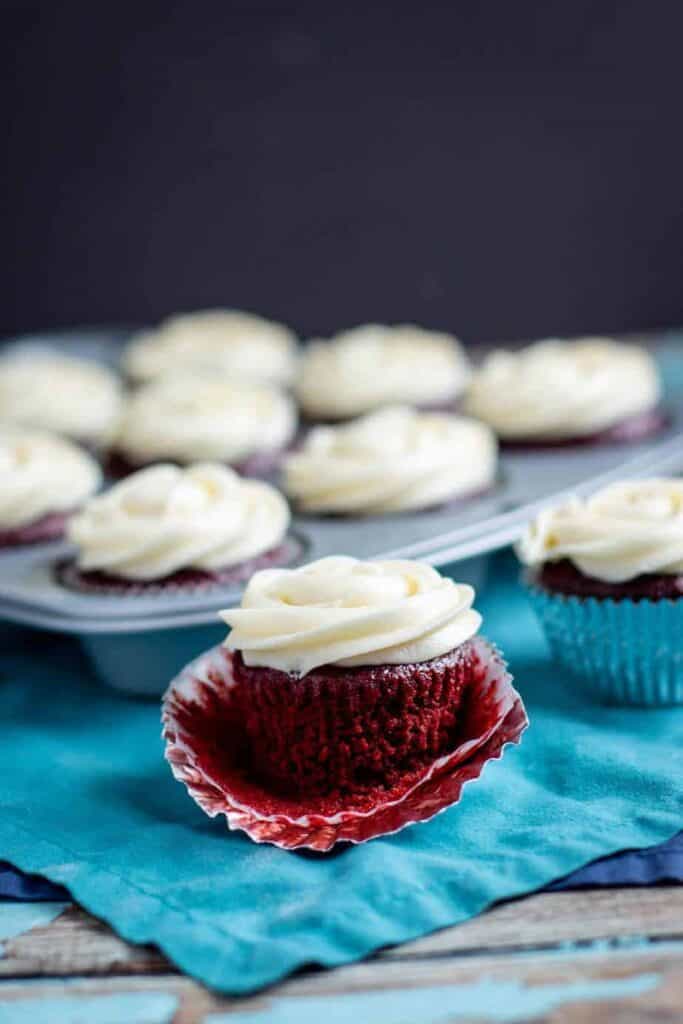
49, 391
41, 474
164, 518
341, 611
392, 460
374, 365
557, 389
625, 530
195, 417
215, 339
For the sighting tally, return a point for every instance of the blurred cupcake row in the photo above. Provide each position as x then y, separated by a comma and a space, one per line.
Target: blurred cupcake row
225, 385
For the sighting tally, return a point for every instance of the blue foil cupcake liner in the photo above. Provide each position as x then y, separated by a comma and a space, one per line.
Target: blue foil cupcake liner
627, 652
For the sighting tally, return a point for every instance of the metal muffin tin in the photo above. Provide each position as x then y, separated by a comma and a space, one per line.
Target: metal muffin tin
138, 642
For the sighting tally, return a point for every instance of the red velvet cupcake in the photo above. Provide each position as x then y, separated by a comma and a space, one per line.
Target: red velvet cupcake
196, 417
358, 699
605, 576
167, 528
558, 393
44, 479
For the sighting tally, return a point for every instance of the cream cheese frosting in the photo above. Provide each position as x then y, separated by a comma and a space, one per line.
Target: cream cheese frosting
557, 389
215, 339
392, 460
623, 531
50, 391
342, 611
164, 518
374, 365
41, 474
198, 417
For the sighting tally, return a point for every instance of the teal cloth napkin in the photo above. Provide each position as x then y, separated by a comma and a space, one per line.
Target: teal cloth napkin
88, 801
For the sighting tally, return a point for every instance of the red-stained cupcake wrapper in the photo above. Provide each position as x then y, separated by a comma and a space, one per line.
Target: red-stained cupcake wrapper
205, 739
42, 531
185, 581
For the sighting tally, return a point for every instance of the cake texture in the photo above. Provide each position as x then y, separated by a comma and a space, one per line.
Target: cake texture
395, 460
556, 392
352, 699
44, 479
171, 527
605, 576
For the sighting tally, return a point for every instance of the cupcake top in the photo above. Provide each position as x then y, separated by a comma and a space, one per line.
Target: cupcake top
164, 519
374, 365
392, 460
557, 389
342, 611
214, 339
41, 474
188, 418
625, 530
54, 392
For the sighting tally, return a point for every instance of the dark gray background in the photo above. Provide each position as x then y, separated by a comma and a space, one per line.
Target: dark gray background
504, 169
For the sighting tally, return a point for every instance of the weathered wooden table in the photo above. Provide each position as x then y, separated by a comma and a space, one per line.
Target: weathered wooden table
598, 955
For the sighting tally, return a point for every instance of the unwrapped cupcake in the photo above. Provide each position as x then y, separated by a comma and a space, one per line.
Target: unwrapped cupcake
352, 698
567, 392
43, 479
606, 578
172, 528
187, 418
48, 391
374, 365
223, 340
395, 460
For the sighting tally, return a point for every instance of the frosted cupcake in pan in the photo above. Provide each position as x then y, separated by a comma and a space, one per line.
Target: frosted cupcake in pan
353, 698
43, 479
606, 577
395, 460
189, 418
558, 392
49, 391
362, 369
224, 340
167, 527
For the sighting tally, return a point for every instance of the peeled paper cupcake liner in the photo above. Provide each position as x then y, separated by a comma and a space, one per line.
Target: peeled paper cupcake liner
625, 652
204, 734
182, 583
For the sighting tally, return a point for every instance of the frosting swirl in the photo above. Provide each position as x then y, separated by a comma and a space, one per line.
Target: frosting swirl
54, 392
341, 611
373, 365
214, 339
165, 518
204, 418
558, 389
41, 474
392, 460
623, 531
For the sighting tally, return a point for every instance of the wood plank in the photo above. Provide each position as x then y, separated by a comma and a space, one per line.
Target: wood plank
550, 918
643, 986
76, 943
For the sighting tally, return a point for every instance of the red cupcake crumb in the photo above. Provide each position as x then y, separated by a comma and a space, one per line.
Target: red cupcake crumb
563, 577
349, 729
50, 527
631, 430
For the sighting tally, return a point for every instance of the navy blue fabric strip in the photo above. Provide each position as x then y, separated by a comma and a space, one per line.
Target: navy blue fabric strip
652, 866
